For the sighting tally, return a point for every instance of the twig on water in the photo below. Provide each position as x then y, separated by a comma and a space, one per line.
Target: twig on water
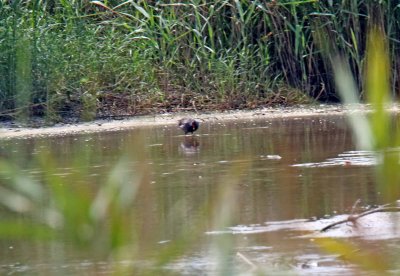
353, 209
246, 260
353, 218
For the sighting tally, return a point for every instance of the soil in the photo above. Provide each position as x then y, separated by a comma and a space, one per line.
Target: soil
12, 129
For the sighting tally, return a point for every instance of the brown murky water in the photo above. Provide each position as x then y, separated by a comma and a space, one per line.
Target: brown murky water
253, 173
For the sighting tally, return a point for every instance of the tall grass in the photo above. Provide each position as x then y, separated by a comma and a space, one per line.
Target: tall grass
93, 57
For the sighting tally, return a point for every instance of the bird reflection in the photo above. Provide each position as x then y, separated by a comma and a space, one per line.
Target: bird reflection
190, 145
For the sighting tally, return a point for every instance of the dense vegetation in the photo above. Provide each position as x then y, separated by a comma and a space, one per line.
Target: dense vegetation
92, 58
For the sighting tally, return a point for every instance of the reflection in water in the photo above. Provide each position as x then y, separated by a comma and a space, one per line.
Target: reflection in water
190, 145
176, 193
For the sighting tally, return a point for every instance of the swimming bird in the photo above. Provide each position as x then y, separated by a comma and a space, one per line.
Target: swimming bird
188, 125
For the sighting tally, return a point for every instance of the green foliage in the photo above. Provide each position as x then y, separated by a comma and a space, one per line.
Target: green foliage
23, 75
57, 207
379, 131
156, 51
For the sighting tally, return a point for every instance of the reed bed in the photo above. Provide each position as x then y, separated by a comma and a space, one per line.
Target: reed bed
93, 58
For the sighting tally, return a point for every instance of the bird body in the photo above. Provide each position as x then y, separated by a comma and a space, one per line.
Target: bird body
188, 125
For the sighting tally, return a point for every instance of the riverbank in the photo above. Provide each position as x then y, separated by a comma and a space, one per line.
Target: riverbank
10, 130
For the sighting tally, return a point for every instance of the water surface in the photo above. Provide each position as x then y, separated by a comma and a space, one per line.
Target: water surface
220, 187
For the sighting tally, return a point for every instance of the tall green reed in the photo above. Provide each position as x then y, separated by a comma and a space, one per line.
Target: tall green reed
377, 132
153, 52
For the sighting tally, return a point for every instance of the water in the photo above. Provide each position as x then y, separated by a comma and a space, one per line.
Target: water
219, 190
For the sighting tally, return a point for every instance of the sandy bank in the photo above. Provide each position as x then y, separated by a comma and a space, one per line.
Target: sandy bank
7, 132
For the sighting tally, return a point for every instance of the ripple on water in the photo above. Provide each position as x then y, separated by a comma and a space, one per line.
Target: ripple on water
349, 158
375, 226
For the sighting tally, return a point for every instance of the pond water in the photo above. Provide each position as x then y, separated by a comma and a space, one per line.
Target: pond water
208, 200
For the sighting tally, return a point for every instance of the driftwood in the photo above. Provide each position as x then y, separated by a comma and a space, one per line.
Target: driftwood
354, 217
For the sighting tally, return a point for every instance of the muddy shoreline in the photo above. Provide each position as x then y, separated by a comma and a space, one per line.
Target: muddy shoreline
8, 131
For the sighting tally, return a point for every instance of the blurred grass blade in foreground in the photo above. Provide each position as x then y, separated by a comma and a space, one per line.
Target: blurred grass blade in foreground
348, 91
386, 136
377, 87
373, 132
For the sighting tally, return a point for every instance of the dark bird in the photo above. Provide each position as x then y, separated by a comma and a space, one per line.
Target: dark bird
188, 125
